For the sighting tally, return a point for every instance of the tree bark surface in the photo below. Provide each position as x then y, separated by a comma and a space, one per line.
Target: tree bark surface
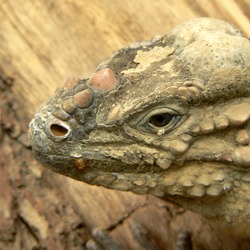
41, 44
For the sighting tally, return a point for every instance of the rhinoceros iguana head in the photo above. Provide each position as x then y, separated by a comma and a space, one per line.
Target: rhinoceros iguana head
168, 117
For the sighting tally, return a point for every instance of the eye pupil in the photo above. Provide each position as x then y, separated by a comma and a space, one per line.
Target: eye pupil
160, 120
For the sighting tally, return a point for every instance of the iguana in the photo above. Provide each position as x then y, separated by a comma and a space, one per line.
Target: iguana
167, 117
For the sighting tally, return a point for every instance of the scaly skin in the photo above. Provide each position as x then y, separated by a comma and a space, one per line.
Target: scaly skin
169, 117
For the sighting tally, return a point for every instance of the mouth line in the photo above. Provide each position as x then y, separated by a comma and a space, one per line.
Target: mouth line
63, 163
59, 162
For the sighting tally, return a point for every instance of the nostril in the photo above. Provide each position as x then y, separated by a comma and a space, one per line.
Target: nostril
58, 130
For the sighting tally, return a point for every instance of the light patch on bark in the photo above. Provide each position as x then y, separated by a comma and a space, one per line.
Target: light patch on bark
31, 216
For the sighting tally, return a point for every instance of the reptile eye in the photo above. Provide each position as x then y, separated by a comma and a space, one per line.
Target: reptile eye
160, 120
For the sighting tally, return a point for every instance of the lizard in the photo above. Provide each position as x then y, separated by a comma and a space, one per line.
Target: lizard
167, 117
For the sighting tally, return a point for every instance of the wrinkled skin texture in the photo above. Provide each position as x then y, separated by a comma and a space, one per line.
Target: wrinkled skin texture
169, 117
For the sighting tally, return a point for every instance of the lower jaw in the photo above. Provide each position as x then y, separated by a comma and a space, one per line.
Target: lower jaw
193, 180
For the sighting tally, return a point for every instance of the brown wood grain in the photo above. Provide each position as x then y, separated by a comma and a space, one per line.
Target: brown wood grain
41, 44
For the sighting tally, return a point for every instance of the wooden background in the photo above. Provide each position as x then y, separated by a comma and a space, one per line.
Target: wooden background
41, 44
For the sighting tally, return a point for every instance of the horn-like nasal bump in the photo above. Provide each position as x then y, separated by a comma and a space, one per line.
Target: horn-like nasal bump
104, 80
71, 82
84, 98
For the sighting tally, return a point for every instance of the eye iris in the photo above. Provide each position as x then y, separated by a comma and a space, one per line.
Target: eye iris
160, 120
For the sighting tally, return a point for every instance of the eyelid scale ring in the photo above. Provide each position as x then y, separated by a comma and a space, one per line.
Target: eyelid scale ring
168, 117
